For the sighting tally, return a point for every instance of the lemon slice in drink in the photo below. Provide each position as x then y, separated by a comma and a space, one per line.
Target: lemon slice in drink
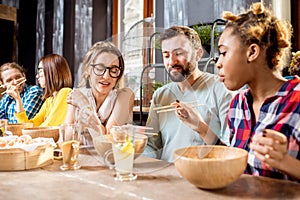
127, 149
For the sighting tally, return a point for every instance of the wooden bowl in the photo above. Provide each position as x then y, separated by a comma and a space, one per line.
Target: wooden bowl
18, 159
104, 143
211, 166
16, 129
46, 132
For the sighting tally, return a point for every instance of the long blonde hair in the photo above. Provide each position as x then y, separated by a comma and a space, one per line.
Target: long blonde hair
97, 49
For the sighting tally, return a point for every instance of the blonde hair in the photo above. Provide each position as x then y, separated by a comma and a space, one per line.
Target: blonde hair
258, 25
97, 49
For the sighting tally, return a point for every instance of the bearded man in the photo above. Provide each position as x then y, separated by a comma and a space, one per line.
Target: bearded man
182, 50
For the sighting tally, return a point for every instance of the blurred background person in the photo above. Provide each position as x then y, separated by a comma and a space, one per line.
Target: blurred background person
54, 76
294, 68
11, 76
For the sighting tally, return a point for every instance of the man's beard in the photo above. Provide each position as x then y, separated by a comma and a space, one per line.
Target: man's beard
184, 75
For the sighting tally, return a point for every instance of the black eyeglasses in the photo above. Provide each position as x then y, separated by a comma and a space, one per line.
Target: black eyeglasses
40, 71
100, 69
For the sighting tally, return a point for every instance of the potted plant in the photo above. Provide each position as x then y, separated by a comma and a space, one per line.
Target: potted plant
204, 32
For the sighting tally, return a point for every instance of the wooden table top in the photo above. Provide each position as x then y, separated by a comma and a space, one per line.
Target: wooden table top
156, 180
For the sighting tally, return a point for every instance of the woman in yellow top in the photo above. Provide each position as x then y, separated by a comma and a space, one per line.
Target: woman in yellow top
54, 76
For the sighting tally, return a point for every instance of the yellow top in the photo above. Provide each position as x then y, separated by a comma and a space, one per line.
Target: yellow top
52, 112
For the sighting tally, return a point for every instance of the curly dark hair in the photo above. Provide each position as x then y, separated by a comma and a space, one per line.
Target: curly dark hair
258, 25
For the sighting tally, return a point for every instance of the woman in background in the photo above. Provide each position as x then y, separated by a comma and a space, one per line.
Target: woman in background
54, 76
102, 104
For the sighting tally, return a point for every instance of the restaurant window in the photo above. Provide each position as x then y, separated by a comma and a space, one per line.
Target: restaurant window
83, 34
175, 13
54, 26
135, 26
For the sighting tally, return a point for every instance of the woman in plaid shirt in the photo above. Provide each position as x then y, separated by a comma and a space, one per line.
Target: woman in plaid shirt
264, 119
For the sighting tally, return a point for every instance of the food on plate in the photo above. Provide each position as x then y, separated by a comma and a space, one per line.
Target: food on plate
15, 141
2, 142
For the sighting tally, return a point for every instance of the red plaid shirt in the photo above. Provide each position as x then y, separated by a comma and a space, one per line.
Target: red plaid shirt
280, 112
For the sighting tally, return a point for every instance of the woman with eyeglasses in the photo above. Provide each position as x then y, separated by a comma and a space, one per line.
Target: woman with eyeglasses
54, 76
98, 103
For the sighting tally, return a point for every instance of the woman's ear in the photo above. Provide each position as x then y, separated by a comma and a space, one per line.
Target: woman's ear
253, 52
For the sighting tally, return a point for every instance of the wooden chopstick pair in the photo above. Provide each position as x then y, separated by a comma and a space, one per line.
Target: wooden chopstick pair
140, 129
147, 133
173, 109
171, 106
23, 79
143, 127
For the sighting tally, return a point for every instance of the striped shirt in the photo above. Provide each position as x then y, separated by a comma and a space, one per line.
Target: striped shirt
280, 112
31, 100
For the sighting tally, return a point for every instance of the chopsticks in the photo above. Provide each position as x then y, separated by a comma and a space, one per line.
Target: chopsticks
163, 107
141, 130
147, 133
23, 79
142, 127
171, 106
173, 109
137, 127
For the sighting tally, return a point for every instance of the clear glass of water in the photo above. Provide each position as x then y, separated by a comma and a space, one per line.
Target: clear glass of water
123, 152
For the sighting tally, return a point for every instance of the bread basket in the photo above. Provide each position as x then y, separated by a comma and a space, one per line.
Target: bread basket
46, 132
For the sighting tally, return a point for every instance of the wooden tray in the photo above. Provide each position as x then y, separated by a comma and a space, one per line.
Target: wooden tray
18, 159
